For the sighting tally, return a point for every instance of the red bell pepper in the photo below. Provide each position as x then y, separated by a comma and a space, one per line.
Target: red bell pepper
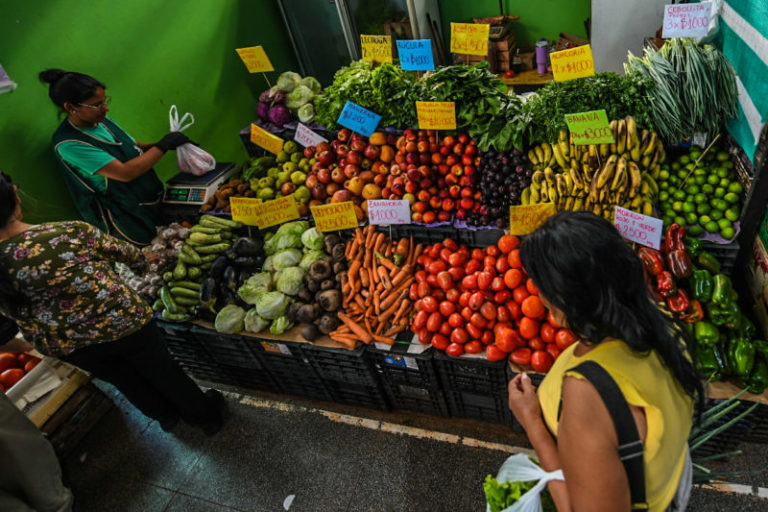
653, 260
680, 263
694, 313
673, 238
679, 302
665, 283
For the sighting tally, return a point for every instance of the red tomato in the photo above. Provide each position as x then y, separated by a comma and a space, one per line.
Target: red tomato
506, 339
541, 361
422, 260
489, 262
420, 276
438, 294
11, 376
419, 320
492, 353
424, 336
529, 328
484, 280
513, 258
497, 284
510, 73
488, 310
492, 250
474, 332
537, 343
434, 251
466, 313
547, 333
432, 281
445, 254
478, 254
459, 335
457, 259
533, 307
521, 356
444, 280
436, 267
532, 289
473, 266
502, 314
454, 350
487, 337
553, 350
445, 328
502, 297
423, 289
455, 320
478, 321
413, 291
519, 294
456, 273
502, 265
8, 360
565, 338
446, 308
508, 242
429, 304
473, 347
469, 282
464, 299
440, 342
551, 320
450, 244
514, 310
24, 357
512, 278
434, 322
476, 301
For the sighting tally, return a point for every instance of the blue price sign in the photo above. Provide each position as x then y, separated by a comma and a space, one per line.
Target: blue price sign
358, 119
415, 54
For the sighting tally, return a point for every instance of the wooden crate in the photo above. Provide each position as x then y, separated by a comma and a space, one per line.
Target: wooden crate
67, 426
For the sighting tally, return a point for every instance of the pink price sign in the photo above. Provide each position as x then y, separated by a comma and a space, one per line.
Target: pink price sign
639, 228
686, 20
389, 211
307, 137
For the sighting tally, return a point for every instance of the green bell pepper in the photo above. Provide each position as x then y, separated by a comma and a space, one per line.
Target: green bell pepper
721, 290
702, 285
709, 262
722, 314
707, 362
761, 346
706, 333
723, 350
746, 329
742, 354
758, 379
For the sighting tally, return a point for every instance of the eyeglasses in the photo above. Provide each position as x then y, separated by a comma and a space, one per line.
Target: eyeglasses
107, 101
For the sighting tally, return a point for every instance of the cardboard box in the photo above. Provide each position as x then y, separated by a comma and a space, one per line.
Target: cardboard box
566, 41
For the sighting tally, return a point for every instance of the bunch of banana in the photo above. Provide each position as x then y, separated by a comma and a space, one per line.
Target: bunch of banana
598, 177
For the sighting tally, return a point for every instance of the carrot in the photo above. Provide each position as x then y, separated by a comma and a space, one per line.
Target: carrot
386, 262
383, 339
368, 325
380, 238
369, 236
374, 271
394, 330
364, 278
389, 251
354, 308
348, 342
368, 313
384, 278
402, 275
377, 302
402, 247
342, 329
354, 268
359, 235
401, 310
395, 295
355, 327
359, 301
365, 293
379, 329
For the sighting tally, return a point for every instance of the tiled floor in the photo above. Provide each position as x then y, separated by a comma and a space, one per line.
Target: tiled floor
263, 455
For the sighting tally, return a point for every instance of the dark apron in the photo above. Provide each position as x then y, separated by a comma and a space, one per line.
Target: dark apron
128, 210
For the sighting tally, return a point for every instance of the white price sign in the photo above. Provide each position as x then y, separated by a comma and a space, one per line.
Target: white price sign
686, 20
389, 211
639, 228
307, 137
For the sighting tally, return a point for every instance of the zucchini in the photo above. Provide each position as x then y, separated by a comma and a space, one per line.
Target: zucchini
203, 238
205, 229
213, 249
185, 284
180, 271
212, 225
209, 258
186, 301
206, 266
188, 260
167, 276
176, 317
189, 251
167, 299
158, 305
194, 272
230, 224
179, 291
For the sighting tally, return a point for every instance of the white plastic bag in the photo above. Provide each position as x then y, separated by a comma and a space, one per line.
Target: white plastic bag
520, 468
190, 158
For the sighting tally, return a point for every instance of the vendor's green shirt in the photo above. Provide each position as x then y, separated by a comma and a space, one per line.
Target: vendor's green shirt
87, 160
73, 295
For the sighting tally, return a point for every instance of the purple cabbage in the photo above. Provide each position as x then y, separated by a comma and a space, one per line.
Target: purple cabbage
263, 111
280, 115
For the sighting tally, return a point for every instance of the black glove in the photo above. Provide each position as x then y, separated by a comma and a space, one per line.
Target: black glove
171, 141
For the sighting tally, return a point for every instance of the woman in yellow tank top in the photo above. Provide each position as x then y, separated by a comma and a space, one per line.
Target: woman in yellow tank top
593, 282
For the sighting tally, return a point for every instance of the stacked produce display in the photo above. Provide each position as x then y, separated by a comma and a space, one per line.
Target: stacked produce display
14, 366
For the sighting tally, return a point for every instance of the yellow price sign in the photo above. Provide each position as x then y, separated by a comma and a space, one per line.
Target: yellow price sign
255, 59
573, 63
470, 38
334, 216
254, 212
266, 140
590, 127
436, 115
376, 48
525, 219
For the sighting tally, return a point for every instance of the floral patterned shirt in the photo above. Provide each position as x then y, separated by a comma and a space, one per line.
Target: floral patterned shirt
74, 297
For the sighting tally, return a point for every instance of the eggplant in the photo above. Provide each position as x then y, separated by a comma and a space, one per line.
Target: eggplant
244, 261
205, 313
229, 278
218, 267
245, 246
207, 291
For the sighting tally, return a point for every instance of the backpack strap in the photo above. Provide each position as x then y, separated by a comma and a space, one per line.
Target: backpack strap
630, 444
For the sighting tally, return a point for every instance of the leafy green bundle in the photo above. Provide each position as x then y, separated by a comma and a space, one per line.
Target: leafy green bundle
501, 496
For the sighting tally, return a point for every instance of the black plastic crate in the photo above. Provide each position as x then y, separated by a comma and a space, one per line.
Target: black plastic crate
250, 378
476, 237
226, 349
758, 432
371, 396
485, 407
422, 233
398, 366
413, 398
341, 365
513, 370
289, 367
729, 439
725, 253
472, 374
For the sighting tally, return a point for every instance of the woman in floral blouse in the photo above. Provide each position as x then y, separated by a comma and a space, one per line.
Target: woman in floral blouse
58, 282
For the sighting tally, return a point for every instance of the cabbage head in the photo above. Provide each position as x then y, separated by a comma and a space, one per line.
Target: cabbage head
310, 257
312, 83
280, 325
288, 81
286, 258
253, 322
271, 305
298, 97
267, 265
306, 113
230, 319
313, 239
287, 236
290, 280
255, 285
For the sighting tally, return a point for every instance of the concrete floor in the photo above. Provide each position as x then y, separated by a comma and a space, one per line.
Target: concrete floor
329, 457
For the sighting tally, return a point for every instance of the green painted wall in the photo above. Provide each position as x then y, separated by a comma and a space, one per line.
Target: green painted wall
150, 55
540, 18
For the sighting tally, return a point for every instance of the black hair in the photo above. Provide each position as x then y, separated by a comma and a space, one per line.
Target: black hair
69, 86
9, 294
581, 265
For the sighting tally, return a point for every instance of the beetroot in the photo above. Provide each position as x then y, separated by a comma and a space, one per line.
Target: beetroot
263, 111
280, 115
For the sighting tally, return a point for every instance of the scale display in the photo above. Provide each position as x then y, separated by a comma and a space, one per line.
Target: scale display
195, 190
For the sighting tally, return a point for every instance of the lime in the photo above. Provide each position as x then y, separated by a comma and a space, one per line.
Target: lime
663, 185
677, 206
712, 179
700, 172
722, 156
695, 230
700, 180
684, 159
668, 219
680, 220
678, 195
727, 233
728, 164
674, 180
675, 166
731, 197
724, 223
716, 214
703, 219
719, 192
724, 182
700, 198
722, 205
735, 187
689, 207
663, 196
712, 227
691, 218
732, 214
703, 208
692, 189
722, 172
663, 174
707, 189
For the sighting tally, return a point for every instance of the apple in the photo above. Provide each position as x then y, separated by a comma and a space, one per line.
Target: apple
420, 206
391, 139
386, 193
411, 147
398, 189
288, 188
467, 159
366, 163
413, 175
458, 149
371, 191
335, 144
344, 134
357, 144
443, 193
412, 158
411, 187
443, 216
423, 195
324, 176
443, 169
469, 170
448, 204
372, 152
380, 180
451, 160
461, 214
435, 202
465, 181
318, 192
354, 157
417, 217
331, 188
454, 191
323, 146
337, 175
441, 182
312, 181
354, 185
457, 169
351, 170
342, 150
410, 198
425, 158
309, 151
466, 203
424, 171
366, 176
451, 180
432, 190
325, 158
341, 195
422, 146
395, 170
425, 183
445, 151
303, 209
429, 217
437, 158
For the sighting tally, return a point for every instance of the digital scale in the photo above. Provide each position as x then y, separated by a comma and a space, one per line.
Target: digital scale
188, 189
